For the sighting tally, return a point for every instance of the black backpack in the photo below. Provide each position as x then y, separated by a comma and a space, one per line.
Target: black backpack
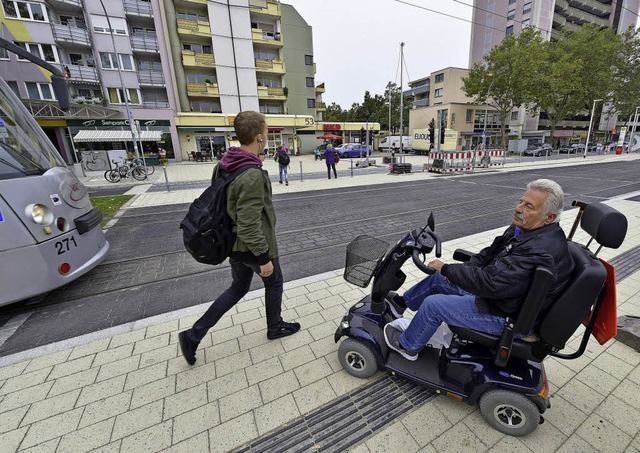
207, 229
283, 158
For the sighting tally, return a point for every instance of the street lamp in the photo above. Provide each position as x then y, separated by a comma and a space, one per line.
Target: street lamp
593, 110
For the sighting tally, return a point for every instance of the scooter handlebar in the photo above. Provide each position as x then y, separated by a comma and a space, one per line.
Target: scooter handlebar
420, 265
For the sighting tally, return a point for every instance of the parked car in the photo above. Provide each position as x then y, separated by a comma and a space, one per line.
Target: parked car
353, 150
538, 150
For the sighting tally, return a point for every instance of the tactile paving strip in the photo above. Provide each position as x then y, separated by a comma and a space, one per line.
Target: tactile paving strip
626, 263
346, 421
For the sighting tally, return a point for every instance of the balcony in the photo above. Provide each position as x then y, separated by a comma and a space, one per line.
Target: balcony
267, 38
270, 66
274, 94
192, 59
321, 106
320, 88
271, 8
66, 3
188, 27
138, 8
82, 74
144, 43
421, 103
70, 34
155, 104
203, 89
151, 78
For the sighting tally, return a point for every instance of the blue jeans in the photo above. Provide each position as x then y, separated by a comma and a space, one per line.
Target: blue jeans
435, 300
283, 169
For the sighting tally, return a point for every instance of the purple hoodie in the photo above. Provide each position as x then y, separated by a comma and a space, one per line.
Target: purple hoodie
236, 157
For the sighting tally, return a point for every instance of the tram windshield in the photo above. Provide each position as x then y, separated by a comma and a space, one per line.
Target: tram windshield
25, 150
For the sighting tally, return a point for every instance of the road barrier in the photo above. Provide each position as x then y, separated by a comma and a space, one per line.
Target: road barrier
451, 161
488, 158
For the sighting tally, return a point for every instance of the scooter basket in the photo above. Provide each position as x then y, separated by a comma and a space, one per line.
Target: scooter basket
364, 254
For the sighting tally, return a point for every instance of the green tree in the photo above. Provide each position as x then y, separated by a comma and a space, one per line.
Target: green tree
335, 113
578, 68
626, 75
509, 76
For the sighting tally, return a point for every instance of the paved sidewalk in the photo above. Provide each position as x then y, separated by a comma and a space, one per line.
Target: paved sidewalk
128, 389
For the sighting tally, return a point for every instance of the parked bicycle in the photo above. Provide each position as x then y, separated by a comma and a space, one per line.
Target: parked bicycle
123, 169
150, 169
92, 161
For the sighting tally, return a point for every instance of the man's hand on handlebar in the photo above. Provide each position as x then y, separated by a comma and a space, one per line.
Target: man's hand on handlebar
436, 264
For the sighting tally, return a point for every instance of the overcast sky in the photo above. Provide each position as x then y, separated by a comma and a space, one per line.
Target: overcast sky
357, 42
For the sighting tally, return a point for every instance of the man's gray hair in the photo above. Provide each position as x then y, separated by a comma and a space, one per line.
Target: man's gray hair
555, 196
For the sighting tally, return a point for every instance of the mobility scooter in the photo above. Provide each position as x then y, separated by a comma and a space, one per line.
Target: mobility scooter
504, 374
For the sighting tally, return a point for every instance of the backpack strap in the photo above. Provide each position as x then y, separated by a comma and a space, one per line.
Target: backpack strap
229, 177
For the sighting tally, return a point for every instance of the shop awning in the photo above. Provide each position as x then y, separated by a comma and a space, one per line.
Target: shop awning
115, 136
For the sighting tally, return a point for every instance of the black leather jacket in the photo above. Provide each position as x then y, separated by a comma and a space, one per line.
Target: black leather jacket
500, 275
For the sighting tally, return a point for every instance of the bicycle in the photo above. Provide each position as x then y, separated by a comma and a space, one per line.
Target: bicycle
150, 169
124, 169
95, 164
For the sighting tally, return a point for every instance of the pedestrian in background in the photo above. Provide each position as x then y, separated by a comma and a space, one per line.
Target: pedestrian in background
330, 160
255, 250
283, 159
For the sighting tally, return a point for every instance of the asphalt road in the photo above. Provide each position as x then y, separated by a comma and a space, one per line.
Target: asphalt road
147, 272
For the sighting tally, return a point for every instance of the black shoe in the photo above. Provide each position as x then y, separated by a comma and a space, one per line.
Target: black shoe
280, 182
396, 304
392, 338
283, 330
287, 183
188, 347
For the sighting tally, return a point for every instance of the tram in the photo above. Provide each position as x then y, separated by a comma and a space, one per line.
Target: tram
49, 233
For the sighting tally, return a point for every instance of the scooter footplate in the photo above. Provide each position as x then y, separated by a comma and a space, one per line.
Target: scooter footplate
424, 371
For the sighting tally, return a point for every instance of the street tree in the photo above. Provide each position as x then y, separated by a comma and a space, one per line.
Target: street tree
577, 68
626, 75
509, 75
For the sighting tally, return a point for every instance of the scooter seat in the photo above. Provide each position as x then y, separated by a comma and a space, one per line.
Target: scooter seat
520, 348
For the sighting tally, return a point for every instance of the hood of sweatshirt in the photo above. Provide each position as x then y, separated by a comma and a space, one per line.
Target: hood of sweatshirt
236, 157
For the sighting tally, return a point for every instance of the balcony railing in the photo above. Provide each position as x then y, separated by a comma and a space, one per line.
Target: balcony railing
269, 7
138, 8
70, 34
155, 104
274, 66
202, 89
146, 43
79, 73
147, 77
195, 27
77, 3
267, 37
321, 106
190, 58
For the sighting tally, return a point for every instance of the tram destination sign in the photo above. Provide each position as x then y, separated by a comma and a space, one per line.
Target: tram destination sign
115, 123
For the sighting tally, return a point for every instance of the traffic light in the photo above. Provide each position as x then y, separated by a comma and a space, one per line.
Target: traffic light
363, 135
370, 137
432, 132
442, 131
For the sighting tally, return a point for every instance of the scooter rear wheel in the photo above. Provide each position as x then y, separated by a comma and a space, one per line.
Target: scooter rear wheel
357, 358
509, 412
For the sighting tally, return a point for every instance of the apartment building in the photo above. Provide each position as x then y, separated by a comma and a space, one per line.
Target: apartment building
493, 20
186, 67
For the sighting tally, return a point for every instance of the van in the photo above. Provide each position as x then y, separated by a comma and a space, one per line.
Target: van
388, 142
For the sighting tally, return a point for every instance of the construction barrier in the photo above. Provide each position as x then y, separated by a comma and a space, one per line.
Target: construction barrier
451, 161
488, 158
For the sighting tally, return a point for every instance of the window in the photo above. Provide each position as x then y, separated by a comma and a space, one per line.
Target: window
311, 103
191, 16
154, 66
439, 92
101, 25
84, 92
271, 83
511, 2
197, 48
45, 51
526, 22
310, 82
514, 116
108, 61
24, 10
14, 87
39, 90
469, 117
264, 55
206, 107
509, 30
272, 109
439, 78
308, 59
116, 96
511, 14
526, 8
4, 54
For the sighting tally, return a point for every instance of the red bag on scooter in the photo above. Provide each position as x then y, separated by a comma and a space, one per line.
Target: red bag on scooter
606, 325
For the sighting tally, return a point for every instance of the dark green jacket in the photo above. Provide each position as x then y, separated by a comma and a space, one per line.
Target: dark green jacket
250, 207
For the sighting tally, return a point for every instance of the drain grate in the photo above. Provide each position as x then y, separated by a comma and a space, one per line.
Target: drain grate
347, 421
626, 263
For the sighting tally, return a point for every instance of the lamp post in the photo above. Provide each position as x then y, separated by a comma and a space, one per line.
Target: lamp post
593, 109
124, 90
633, 130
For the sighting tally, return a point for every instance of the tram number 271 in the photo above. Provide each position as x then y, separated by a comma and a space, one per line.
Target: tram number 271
65, 245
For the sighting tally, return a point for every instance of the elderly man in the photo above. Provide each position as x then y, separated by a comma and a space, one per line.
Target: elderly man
482, 292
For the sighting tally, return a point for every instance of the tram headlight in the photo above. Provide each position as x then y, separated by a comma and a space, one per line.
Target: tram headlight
40, 214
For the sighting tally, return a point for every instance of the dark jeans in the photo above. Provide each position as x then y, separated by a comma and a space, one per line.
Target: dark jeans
329, 167
242, 274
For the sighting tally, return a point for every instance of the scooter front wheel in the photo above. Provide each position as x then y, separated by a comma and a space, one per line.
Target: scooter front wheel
509, 412
357, 358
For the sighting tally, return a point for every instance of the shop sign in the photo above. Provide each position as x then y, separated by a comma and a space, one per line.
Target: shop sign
331, 127
115, 123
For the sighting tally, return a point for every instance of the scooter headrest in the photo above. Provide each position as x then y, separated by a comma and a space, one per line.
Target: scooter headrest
604, 224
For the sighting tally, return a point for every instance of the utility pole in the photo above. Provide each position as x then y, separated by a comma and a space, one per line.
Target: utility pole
437, 137
401, 102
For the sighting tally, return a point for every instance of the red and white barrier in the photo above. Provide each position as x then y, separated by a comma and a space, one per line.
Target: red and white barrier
488, 158
451, 161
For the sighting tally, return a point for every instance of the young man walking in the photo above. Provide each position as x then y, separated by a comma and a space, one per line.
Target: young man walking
255, 250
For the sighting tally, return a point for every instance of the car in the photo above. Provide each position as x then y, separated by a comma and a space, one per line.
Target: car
353, 150
538, 150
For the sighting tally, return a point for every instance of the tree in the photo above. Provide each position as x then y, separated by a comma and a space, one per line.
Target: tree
578, 68
626, 75
335, 113
509, 76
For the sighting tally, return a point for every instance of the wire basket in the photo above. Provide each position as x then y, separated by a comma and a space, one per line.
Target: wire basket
363, 256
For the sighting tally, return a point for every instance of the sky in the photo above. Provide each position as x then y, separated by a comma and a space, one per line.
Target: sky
357, 42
